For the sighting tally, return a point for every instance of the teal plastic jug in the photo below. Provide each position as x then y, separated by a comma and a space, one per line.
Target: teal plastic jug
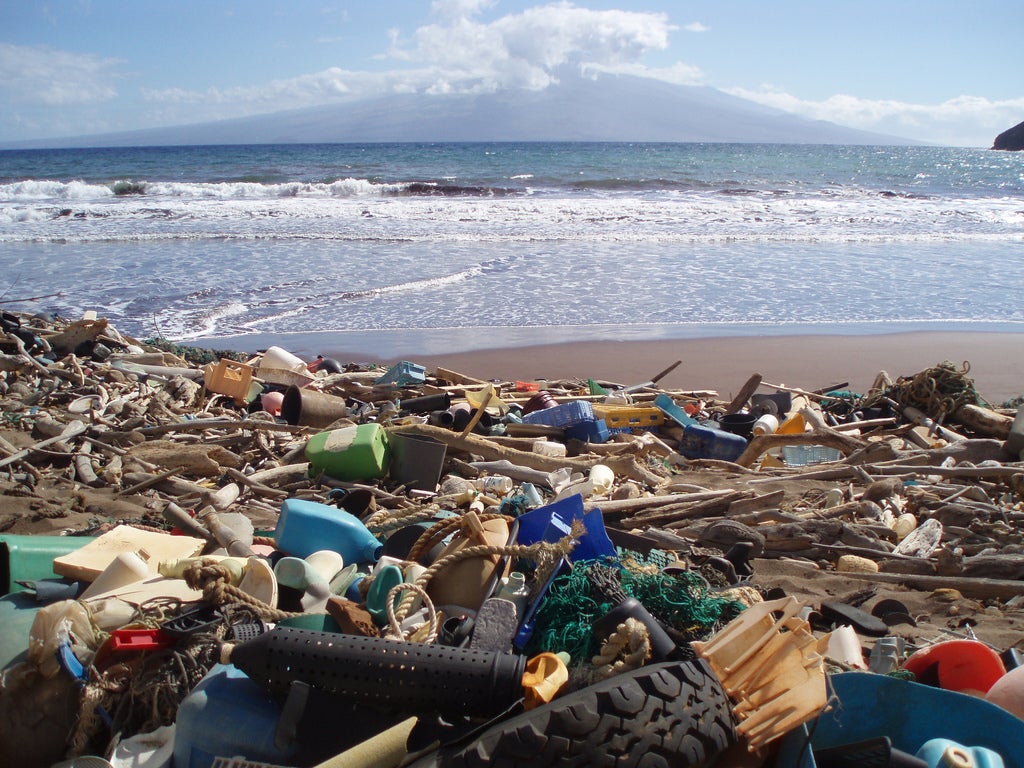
303, 527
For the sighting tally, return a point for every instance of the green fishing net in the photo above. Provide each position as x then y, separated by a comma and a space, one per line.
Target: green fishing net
681, 601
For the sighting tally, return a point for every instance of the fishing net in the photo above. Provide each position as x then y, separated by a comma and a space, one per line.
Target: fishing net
681, 601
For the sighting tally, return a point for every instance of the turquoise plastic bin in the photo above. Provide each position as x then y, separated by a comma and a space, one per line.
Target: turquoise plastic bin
868, 705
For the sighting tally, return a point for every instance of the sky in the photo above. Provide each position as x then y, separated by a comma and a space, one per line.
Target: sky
941, 71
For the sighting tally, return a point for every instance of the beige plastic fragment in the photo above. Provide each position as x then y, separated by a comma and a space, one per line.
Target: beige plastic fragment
769, 663
856, 564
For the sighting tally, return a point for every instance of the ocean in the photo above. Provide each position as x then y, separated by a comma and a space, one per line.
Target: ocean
392, 249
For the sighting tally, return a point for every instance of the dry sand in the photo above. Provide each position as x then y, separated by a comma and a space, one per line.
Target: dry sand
724, 364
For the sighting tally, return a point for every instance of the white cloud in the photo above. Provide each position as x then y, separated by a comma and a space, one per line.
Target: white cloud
42, 76
527, 49
460, 53
960, 121
679, 73
696, 26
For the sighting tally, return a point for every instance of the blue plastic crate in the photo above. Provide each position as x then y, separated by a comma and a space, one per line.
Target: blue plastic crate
589, 431
562, 415
631, 430
403, 373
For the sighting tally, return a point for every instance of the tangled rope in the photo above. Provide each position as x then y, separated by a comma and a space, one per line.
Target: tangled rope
627, 648
937, 391
395, 629
437, 533
545, 554
384, 520
214, 581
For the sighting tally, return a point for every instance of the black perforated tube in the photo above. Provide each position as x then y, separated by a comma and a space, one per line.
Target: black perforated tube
391, 674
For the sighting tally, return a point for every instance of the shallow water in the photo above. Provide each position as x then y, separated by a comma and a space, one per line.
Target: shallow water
505, 242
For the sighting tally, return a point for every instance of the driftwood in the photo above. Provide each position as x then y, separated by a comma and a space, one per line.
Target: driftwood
984, 421
67, 434
615, 507
978, 588
678, 515
749, 388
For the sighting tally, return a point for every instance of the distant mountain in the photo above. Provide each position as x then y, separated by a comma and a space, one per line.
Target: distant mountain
608, 108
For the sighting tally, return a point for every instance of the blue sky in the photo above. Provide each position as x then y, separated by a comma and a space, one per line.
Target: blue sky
943, 71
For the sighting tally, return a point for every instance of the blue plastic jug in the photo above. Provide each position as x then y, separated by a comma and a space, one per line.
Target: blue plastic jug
304, 527
705, 443
227, 715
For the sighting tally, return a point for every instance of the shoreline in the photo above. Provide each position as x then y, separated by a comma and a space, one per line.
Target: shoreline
721, 363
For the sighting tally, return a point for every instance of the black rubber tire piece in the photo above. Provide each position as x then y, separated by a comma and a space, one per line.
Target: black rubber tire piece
671, 714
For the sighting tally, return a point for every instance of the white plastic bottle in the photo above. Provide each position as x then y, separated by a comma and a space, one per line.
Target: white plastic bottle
765, 425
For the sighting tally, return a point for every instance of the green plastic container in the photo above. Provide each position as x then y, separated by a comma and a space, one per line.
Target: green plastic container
29, 558
351, 453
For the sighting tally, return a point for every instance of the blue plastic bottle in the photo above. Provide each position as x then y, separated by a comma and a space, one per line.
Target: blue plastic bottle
705, 443
943, 753
227, 715
304, 527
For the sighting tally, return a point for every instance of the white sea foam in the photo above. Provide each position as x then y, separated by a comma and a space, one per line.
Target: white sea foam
23, 191
174, 211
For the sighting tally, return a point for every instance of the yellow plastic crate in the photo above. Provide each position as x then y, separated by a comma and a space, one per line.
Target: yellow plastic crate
230, 378
629, 416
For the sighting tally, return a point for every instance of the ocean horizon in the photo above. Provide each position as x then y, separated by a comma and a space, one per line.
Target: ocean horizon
392, 248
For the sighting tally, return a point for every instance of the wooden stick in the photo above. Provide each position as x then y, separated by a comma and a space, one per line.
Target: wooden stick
256, 487
630, 506
1001, 589
43, 443
201, 424
744, 394
151, 481
804, 392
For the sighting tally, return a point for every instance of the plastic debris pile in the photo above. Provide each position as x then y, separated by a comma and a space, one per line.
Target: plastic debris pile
224, 560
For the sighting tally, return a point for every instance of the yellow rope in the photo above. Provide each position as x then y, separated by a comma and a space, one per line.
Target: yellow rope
937, 391
627, 648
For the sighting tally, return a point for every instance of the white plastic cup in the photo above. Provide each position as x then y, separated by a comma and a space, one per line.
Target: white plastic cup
844, 646
277, 358
127, 568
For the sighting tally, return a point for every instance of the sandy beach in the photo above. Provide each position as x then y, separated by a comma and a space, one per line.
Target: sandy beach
811, 362
724, 364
